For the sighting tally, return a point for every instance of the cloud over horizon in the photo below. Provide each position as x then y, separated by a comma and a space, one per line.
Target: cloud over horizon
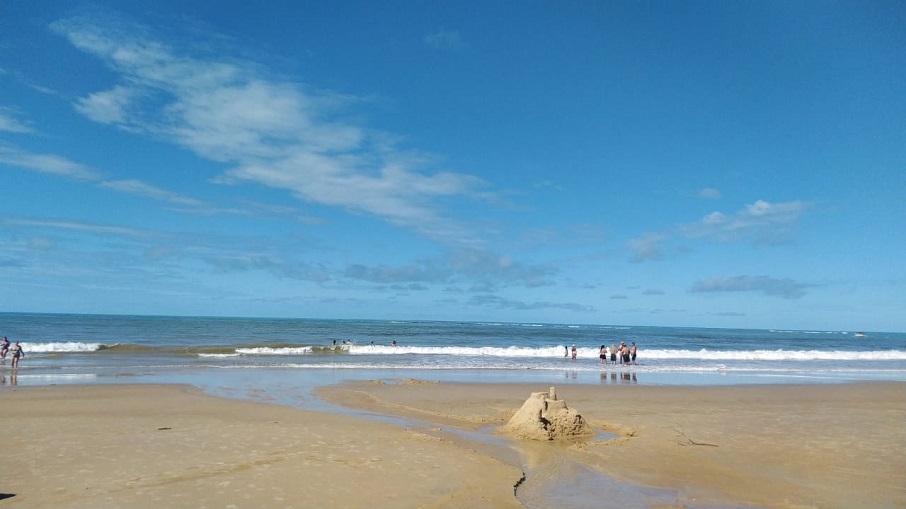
761, 222
785, 288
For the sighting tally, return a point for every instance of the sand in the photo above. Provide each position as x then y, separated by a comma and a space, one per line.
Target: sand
172, 447
785, 446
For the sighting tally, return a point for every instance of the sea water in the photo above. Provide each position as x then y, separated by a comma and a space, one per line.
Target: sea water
64, 348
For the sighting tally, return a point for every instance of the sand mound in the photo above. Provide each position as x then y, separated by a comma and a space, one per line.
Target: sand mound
544, 417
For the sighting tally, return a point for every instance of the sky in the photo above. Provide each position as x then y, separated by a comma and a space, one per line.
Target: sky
709, 164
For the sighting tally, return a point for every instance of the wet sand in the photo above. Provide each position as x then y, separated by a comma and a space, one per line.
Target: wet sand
783, 446
137, 446
173, 447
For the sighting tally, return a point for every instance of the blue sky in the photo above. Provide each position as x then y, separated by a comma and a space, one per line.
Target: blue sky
718, 164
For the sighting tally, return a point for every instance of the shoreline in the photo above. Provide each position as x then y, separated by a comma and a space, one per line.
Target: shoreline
111, 445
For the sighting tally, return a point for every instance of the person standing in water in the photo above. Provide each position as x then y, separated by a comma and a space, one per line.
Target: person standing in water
613, 353
603, 354
4, 347
624, 354
632, 351
574, 352
17, 351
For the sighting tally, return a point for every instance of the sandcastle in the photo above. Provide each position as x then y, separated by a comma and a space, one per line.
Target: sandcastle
544, 417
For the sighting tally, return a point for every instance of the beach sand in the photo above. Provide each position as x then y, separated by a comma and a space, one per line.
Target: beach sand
784, 446
142, 446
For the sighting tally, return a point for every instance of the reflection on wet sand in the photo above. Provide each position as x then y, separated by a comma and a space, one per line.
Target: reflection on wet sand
626, 377
13, 378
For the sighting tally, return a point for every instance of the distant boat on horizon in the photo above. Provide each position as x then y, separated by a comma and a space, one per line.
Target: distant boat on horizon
859, 334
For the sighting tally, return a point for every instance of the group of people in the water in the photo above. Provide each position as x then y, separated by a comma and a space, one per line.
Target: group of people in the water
624, 354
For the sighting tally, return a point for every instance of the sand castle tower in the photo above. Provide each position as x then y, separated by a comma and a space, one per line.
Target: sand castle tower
544, 417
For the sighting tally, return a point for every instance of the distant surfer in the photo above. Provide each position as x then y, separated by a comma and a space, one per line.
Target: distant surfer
393, 343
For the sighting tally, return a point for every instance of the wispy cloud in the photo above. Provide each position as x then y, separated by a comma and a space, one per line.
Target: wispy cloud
270, 131
108, 107
9, 122
761, 222
63, 167
134, 247
46, 163
497, 302
648, 246
785, 288
75, 226
445, 40
709, 193
144, 189
482, 266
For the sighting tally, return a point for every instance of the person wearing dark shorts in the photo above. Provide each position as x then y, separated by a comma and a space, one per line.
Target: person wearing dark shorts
632, 350
17, 352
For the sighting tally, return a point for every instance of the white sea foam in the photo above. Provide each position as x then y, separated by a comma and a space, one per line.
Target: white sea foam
667, 354
302, 350
490, 351
66, 346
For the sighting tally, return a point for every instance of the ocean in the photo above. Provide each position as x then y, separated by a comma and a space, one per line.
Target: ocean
282, 359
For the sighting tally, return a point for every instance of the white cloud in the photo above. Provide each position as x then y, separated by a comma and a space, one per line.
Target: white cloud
141, 188
272, 132
647, 246
108, 107
709, 193
46, 163
761, 220
9, 122
63, 167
